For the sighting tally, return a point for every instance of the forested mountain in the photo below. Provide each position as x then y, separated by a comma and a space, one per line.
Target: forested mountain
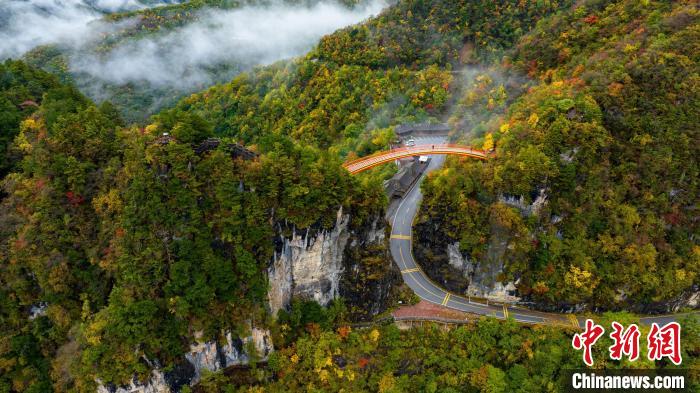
129, 238
23, 89
608, 138
123, 244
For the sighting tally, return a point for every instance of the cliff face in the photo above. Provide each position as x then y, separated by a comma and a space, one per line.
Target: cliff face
439, 254
214, 356
209, 356
308, 265
370, 277
322, 265
432, 252
442, 260
484, 275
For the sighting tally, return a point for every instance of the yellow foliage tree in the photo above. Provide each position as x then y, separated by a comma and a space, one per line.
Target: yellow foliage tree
488, 142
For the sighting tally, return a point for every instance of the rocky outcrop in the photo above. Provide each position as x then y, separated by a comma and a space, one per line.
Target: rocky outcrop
342, 261
485, 281
458, 261
203, 356
533, 208
309, 265
441, 259
214, 356
38, 310
369, 277
156, 384
495, 291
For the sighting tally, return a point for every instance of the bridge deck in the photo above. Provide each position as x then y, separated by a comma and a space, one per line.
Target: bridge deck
368, 162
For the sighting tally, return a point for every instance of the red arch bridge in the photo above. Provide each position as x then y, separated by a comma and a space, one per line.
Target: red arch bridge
364, 163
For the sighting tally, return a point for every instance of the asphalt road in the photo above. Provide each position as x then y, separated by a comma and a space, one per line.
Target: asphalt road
401, 242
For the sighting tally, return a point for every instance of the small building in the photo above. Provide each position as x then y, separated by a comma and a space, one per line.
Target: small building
164, 139
239, 151
28, 103
397, 186
236, 150
421, 129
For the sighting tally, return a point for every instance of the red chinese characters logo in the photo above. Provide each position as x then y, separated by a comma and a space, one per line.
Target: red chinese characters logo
665, 342
586, 340
662, 342
625, 342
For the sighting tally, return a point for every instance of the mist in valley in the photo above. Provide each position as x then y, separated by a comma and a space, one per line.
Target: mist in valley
25, 25
246, 36
163, 65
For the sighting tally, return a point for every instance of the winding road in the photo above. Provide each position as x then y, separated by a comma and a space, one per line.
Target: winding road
401, 243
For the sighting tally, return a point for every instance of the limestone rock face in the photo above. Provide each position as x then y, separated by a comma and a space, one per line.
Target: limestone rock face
482, 278
459, 261
533, 208
370, 275
214, 356
693, 299
443, 261
320, 265
156, 384
497, 291
309, 266
208, 355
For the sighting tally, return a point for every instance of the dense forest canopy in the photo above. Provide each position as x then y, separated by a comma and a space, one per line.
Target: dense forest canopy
132, 239
120, 242
23, 89
609, 137
487, 356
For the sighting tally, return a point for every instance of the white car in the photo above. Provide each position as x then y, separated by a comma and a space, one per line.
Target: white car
410, 142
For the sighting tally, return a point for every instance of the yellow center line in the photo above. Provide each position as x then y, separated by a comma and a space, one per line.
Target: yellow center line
417, 282
447, 298
402, 237
505, 311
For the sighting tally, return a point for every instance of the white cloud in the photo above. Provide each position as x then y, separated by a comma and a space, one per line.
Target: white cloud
179, 58
25, 24
247, 36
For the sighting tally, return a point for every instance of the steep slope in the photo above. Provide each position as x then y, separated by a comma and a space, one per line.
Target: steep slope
22, 89
592, 198
126, 247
